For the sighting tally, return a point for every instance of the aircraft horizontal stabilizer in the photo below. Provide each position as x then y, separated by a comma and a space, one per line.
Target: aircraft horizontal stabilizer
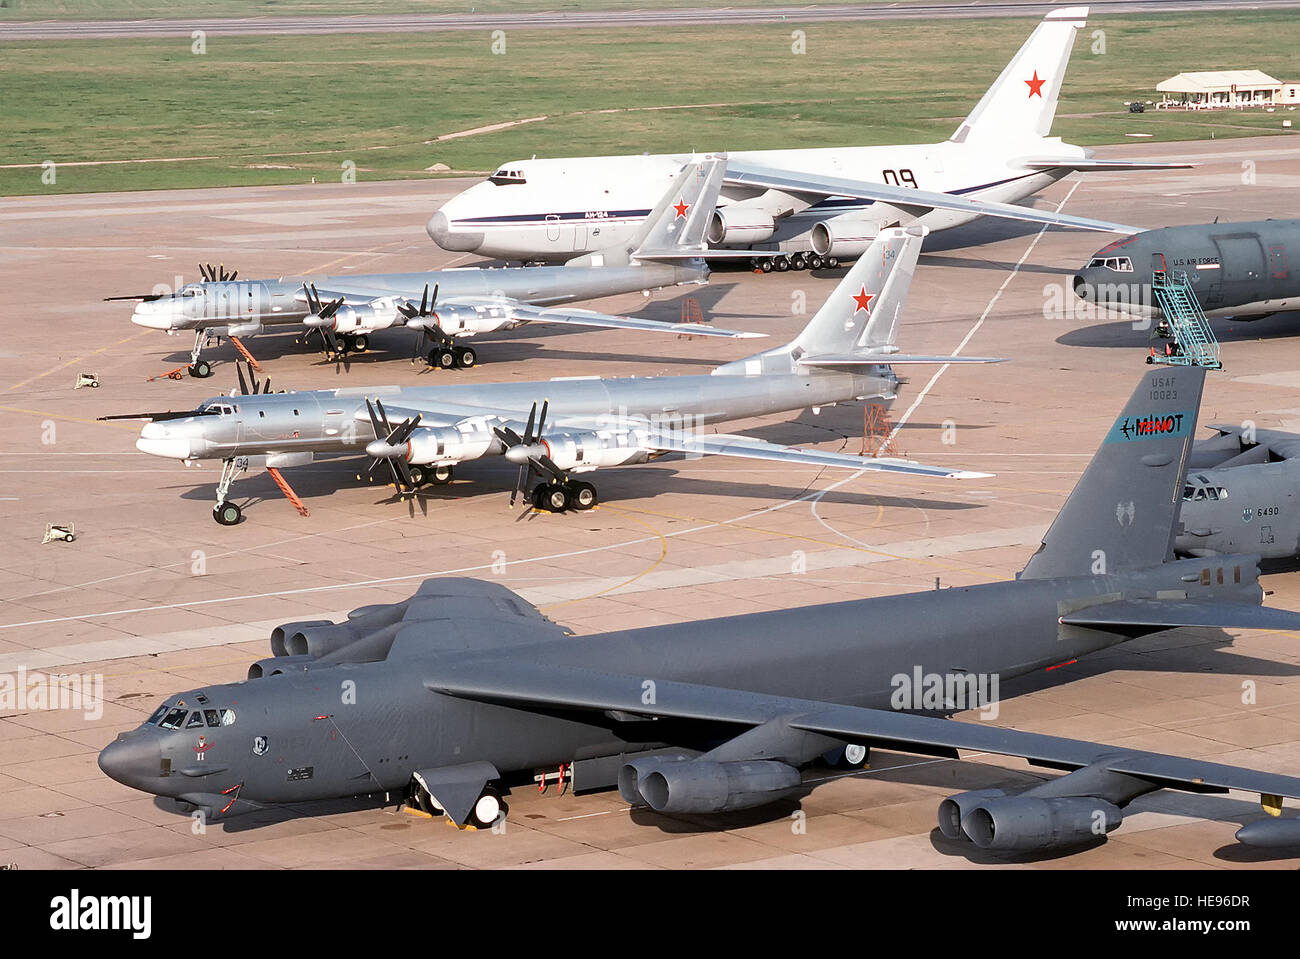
1148, 614
544, 687
1101, 166
572, 317
866, 359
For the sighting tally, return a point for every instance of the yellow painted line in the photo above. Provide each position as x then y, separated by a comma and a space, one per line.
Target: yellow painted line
77, 359
663, 554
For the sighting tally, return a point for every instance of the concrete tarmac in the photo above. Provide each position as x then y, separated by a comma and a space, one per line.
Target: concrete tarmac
155, 598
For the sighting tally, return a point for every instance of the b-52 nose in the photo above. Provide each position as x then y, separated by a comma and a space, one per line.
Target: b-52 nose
133, 759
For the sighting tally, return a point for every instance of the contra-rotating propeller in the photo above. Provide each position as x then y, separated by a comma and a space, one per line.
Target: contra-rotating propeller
417, 317
214, 274
251, 387
389, 445
321, 318
529, 451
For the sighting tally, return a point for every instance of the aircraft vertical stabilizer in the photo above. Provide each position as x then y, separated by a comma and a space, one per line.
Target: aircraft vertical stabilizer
1021, 104
1123, 512
677, 223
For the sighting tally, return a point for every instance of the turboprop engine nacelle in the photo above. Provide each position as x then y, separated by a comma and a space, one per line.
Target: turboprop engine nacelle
703, 786
467, 320
1026, 823
365, 317
445, 445
592, 449
846, 236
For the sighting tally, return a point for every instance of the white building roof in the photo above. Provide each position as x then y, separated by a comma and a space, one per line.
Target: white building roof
1218, 81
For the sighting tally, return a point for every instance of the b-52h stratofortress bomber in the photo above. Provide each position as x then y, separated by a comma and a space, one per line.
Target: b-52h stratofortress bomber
445, 307
845, 353
463, 687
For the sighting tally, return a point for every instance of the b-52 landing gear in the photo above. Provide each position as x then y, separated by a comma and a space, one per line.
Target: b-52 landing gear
566, 495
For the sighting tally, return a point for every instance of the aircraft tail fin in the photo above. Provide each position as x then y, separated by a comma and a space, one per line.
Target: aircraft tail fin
1123, 512
1021, 103
858, 323
677, 223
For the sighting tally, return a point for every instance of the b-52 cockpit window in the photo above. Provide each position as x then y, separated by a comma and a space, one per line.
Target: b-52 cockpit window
158, 714
174, 719
506, 177
196, 720
1200, 494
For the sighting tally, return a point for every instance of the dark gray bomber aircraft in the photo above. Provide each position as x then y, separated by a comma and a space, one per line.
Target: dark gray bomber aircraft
1235, 269
464, 687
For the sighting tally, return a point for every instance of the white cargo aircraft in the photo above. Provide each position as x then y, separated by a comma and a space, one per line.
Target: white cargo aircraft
801, 208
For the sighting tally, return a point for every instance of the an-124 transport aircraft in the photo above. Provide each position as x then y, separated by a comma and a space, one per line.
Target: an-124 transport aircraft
803, 207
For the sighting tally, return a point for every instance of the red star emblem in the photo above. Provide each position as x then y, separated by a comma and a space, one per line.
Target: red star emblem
863, 301
681, 206
1035, 86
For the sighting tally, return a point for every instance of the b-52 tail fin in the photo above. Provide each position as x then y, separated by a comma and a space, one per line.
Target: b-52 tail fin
1123, 512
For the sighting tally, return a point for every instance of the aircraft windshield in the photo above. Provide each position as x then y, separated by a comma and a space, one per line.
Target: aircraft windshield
1120, 264
505, 177
1202, 491
178, 717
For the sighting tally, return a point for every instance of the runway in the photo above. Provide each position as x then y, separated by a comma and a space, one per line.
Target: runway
155, 597
291, 25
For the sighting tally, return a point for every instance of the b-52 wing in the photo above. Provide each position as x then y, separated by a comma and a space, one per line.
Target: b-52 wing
532, 686
817, 186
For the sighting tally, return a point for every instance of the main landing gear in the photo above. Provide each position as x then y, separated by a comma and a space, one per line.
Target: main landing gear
781, 262
433, 475
452, 357
561, 496
200, 369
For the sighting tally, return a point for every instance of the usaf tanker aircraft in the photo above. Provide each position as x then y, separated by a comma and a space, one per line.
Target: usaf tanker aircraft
1235, 269
1241, 494
466, 688
345, 310
802, 206
845, 353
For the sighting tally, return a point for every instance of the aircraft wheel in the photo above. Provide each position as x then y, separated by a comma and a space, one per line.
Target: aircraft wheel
486, 809
814, 262
440, 475
832, 262
551, 497
782, 263
360, 343
418, 475
201, 370
798, 262
582, 495
227, 513
766, 266
465, 357
442, 359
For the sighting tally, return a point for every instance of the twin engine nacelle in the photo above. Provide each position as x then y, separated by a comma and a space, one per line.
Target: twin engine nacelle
740, 223
993, 820
846, 236
454, 319
313, 639
704, 786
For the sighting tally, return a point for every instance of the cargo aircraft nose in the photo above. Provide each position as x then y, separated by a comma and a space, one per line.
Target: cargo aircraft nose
455, 241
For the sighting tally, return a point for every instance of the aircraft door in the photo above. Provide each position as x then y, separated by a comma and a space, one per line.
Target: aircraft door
580, 237
1157, 263
1242, 259
553, 227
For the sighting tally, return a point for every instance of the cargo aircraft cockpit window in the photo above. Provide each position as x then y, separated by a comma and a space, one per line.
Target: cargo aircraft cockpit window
506, 177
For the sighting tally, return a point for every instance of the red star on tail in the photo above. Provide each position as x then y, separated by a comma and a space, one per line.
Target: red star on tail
1035, 86
863, 300
681, 206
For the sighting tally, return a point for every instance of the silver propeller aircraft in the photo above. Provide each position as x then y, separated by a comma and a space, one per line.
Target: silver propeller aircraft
845, 353
1240, 494
465, 689
446, 307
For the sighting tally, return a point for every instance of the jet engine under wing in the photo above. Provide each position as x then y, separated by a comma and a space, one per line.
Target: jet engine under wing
724, 444
816, 185
565, 316
531, 686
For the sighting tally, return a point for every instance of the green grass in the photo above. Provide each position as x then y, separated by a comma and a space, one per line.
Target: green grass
312, 103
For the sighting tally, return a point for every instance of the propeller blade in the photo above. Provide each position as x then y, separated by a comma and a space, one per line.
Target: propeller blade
541, 424
528, 430
424, 299
243, 386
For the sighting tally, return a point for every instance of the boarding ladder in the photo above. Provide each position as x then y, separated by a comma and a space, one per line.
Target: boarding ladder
1194, 341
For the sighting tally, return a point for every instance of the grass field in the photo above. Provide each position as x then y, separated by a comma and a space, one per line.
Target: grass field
283, 109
